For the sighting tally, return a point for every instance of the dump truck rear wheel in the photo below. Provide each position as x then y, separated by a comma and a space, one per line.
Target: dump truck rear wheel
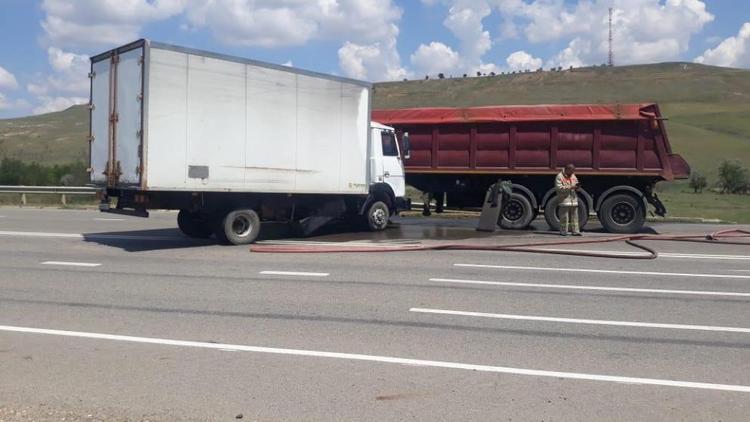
552, 217
517, 213
238, 227
622, 213
193, 225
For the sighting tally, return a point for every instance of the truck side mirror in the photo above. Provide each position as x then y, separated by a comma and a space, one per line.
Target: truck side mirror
407, 147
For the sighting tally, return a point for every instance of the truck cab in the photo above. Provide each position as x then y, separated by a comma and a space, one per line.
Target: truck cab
387, 177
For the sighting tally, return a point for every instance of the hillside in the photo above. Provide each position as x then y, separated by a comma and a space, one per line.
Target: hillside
53, 138
708, 107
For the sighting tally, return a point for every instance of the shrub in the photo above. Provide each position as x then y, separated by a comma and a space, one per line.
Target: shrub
697, 182
733, 177
16, 172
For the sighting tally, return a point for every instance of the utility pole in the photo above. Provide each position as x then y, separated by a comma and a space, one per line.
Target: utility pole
611, 61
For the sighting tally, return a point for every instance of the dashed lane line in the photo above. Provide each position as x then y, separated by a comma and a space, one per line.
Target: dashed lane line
295, 273
72, 264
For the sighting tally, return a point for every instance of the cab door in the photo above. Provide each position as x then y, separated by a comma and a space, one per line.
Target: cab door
393, 168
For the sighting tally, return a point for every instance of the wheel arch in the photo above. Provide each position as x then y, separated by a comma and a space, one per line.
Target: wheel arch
620, 189
380, 192
528, 193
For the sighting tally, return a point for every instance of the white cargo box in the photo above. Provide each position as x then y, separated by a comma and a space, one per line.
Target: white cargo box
168, 118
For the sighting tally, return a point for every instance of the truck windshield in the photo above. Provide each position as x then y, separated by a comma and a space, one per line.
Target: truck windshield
389, 144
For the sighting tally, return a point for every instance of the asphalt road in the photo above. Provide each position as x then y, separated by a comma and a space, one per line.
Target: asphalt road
118, 318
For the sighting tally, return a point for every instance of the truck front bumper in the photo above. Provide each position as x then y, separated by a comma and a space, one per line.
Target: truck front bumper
403, 204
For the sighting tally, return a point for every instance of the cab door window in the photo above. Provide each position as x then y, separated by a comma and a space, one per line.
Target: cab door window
389, 144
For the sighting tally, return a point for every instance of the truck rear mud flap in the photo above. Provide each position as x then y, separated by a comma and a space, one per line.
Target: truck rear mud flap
654, 200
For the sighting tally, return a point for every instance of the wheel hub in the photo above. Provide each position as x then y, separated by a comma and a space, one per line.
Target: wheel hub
241, 226
379, 217
513, 211
623, 213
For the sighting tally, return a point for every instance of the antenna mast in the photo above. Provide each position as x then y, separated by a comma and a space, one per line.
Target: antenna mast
611, 61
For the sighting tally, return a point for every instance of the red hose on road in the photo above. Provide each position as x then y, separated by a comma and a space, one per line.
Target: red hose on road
713, 238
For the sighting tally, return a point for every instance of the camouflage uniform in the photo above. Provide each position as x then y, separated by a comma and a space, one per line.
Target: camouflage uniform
568, 208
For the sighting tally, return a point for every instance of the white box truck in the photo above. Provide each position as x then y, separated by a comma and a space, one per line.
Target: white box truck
231, 142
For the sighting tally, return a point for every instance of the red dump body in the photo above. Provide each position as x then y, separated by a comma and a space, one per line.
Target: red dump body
621, 139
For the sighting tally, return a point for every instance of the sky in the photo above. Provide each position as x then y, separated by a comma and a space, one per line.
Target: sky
45, 44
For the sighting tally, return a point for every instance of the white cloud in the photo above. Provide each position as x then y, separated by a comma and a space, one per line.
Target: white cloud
85, 23
645, 30
435, 58
732, 52
51, 104
372, 62
7, 79
521, 60
17, 105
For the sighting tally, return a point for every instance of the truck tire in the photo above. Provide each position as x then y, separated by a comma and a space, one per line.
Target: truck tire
553, 218
193, 225
377, 216
517, 213
238, 227
622, 213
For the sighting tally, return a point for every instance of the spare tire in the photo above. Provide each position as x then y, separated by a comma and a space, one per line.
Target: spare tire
517, 212
552, 217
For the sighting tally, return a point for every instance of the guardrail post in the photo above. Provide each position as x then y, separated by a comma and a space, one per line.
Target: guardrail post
62, 199
23, 199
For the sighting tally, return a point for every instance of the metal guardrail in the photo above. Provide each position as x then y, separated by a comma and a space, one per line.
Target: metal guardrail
63, 191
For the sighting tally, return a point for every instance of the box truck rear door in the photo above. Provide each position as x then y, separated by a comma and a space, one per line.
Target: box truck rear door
116, 118
129, 97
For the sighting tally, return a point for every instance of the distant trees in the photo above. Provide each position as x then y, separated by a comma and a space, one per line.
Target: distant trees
16, 172
733, 177
697, 182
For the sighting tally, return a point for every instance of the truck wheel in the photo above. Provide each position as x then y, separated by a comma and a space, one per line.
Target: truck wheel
193, 225
622, 213
238, 227
552, 217
517, 213
377, 216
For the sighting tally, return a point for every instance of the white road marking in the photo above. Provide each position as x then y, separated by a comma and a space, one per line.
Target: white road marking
661, 254
295, 273
71, 264
109, 219
598, 288
92, 236
385, 359
584, 321
619, 272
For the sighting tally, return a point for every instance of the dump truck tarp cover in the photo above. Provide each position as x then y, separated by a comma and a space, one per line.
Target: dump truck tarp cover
572, 112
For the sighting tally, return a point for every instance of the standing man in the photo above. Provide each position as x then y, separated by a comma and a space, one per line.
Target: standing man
566, 185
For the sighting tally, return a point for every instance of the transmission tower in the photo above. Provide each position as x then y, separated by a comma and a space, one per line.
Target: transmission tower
611, 61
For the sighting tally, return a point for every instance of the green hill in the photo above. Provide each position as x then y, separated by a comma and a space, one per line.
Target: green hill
53, 138
708, 107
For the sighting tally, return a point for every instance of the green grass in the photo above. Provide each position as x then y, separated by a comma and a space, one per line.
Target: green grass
733, 208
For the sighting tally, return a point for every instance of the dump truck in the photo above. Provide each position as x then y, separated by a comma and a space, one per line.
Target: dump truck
621, 151
232, 142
